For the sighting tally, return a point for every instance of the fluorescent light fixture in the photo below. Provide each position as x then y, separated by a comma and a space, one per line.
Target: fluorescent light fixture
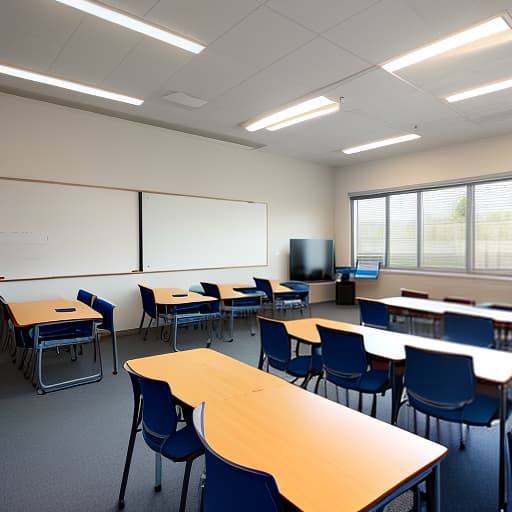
381, 143
480, 91
66, 84
305, 117
132, 23
305, 110
491, 27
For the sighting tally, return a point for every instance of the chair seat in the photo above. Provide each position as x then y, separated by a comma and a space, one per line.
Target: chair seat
481, 412
179, 446
373, 381
302, 365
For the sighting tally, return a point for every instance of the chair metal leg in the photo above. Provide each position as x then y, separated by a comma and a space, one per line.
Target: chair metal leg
114, 352
360, 403
184, 489
462, 443
158, 471
427, 433
142, 321
147, 328
374, 406
136, 420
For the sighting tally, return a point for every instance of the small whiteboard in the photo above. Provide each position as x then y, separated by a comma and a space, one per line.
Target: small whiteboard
49, 229
186, 233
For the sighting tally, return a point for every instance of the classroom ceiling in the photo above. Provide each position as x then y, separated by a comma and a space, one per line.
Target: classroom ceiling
263, 55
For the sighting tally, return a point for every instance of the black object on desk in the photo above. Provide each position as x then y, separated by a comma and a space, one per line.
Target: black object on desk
345, 293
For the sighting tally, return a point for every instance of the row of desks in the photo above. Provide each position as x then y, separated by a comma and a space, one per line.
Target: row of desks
323, 455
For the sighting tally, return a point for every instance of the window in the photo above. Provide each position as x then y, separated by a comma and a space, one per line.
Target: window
370, 235
465, 228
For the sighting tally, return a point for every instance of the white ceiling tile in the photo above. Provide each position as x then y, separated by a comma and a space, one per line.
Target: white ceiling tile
144, 71
385, 30
202, 20
317, 64
94, 50
320, 15
262, 38
208, 75
32, 32
137, 8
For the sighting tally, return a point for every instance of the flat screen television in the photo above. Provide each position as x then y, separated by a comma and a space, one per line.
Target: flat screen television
311, 259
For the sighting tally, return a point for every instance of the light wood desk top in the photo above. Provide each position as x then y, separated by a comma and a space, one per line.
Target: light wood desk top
178, 296
490, 365
25, 314
229, 291
324, 456
277, 287
439, 307
203, 374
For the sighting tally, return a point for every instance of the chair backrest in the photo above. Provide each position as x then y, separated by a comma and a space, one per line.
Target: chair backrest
468, 329
407, 292
436, 379
460, 300
275, 343
211, 290
106, 310
159, 418
230, 487
148, 301
264, 286
85, 297
343, 353
373, 313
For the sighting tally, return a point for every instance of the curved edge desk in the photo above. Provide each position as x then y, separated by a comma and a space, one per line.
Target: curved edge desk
323, 455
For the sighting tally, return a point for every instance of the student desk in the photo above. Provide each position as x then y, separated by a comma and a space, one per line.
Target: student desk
323, 455
53, 311
436, 308
172, 298
491, 366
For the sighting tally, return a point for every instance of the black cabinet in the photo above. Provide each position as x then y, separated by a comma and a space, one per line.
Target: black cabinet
345, 293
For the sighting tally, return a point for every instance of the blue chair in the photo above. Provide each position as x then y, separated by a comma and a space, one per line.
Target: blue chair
85, 297
106, 310
468, 329
233, 307
155, 409
229, 487
443, 386
346, 364
298, 299
150, 308
373, 313
276, 352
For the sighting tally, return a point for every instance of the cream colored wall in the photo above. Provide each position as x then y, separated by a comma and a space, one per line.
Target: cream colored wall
44, 141
478, 158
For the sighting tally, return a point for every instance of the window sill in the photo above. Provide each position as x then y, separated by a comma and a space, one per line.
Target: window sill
437, 273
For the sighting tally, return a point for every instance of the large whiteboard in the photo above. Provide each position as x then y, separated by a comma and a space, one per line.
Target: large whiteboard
186, 232
49, 229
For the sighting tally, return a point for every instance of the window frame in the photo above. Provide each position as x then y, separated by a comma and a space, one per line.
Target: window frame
470, 247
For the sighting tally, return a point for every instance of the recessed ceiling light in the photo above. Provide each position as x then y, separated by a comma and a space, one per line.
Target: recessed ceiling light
66, 84
303, 111
480, 91
491, 27
381, 143
132, 23
184, 99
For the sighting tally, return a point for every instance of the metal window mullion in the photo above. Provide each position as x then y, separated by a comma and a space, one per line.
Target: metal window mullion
386, 232
419, 230
470, 227
355, 228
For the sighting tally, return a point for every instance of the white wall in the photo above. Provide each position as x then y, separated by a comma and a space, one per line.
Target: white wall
477, 158
44, 141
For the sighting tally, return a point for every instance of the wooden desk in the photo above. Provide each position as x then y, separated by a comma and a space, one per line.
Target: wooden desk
26, 314
323, 455
490, 366
39, 313
171, 299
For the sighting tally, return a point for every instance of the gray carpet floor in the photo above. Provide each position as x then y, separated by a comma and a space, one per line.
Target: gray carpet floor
64, 451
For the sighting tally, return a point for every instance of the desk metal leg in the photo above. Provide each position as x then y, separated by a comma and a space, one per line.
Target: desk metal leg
434, 490
503, 469
175, 330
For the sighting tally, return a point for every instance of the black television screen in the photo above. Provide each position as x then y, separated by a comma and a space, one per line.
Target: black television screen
311, 259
